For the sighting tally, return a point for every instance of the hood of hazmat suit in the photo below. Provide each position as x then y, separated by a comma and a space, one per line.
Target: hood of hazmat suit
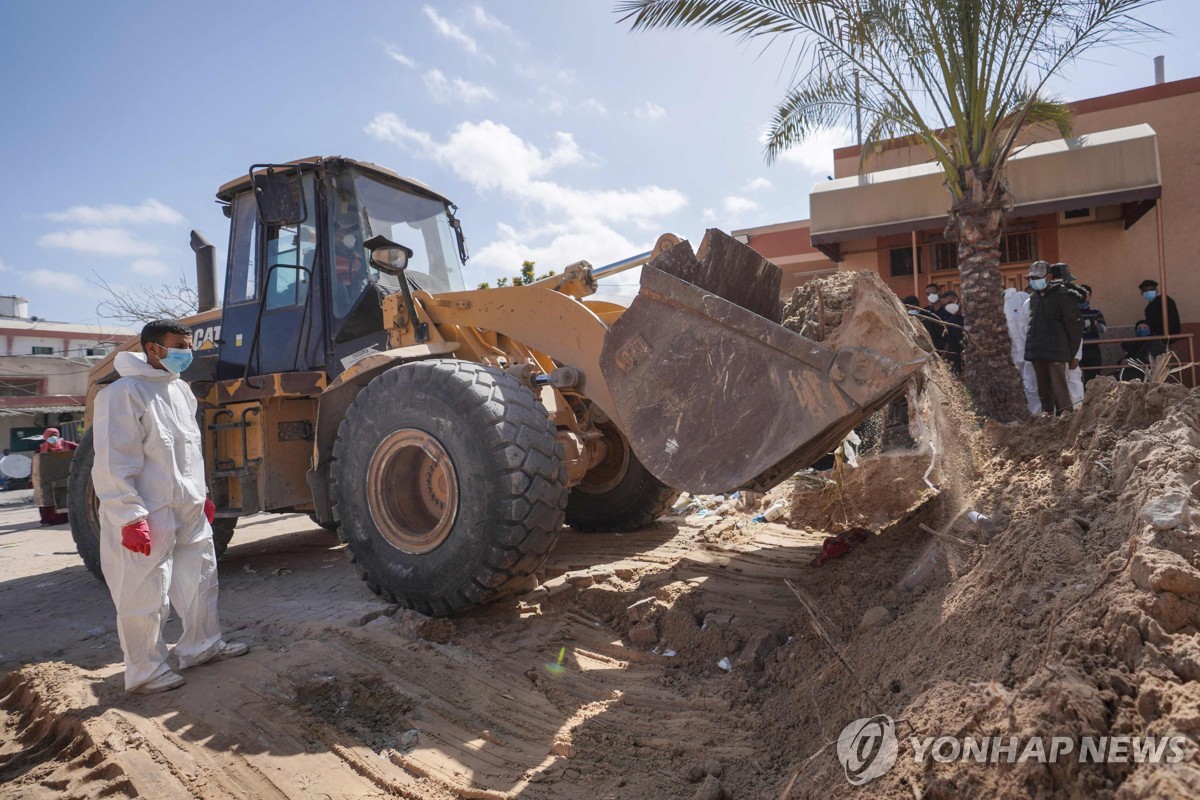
149, 466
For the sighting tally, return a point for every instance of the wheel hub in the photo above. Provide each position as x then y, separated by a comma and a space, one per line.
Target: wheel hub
608, 474
412, 491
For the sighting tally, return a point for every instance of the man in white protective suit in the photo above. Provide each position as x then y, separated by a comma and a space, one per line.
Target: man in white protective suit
1016, 309
156, 545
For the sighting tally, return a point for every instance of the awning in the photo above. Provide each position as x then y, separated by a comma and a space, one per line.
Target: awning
1096, 169
30, 410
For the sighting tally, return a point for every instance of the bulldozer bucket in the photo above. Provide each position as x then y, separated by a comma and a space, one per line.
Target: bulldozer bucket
714, 394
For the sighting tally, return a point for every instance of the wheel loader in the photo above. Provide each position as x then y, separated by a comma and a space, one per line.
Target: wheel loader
446, 434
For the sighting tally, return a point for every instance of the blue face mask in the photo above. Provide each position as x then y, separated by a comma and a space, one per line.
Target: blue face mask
1037, 284
1085, 304
52, 439
1150, 294
1142, 332
177, 359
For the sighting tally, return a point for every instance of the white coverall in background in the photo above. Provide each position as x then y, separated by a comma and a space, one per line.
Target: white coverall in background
1075, 381
149, 465
1016, 311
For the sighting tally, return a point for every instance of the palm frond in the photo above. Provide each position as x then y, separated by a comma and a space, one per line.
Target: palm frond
747, 18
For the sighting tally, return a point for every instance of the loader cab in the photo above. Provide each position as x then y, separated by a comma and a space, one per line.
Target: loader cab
300, 291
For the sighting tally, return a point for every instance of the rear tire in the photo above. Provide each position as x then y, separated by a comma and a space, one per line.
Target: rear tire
618, 495
332, 527
448, 484
84, 511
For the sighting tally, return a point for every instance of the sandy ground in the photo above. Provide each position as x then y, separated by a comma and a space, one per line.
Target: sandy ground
344, 696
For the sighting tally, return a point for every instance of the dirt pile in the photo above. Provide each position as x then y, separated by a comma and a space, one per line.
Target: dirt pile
1073, 610
819, 310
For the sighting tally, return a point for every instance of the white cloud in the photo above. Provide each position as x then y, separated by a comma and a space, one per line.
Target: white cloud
578, 223
445, 90
757, 184
542, 73
59, 281
486, 20
395, 55
149, 266
391, 128
553, 248
650, 111
735, 205
595, 106
149, 212
815, 154
100, 241
733, 209
450, 31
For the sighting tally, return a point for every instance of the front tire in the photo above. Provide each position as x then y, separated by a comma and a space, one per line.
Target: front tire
84, 509
448, 484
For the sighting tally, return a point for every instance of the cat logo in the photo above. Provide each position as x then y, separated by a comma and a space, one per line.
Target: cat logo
206, 338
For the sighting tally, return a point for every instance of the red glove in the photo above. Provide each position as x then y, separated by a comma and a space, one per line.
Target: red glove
210, 510
136, 537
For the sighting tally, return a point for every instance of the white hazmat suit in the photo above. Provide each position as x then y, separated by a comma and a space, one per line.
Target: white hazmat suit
1016, 311
149, 465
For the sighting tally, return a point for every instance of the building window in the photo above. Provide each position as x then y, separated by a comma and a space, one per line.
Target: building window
902, 261
1019, 244
20, 387
43, 351
943, 255
96, 351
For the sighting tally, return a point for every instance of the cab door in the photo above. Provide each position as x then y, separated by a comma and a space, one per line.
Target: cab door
271, 320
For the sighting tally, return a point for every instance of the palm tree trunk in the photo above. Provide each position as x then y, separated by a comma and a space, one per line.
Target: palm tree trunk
988, 370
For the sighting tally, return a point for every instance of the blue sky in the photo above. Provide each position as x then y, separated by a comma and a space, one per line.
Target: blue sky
560, 135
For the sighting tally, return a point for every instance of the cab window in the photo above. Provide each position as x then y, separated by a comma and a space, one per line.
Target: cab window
289, 253
243, 252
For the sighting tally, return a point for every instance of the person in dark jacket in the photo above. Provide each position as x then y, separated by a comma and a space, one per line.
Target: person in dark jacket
1055, 333
1143, 352
931, 315
1153, 312
952, 331
1093, 328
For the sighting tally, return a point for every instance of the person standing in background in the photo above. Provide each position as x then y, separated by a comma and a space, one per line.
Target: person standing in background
1055, 335
1016, 311
1094, 327
1153, 312
932, 315
52, 442
952, 331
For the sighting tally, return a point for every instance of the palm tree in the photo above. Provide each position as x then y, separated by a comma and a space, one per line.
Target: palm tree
963, 78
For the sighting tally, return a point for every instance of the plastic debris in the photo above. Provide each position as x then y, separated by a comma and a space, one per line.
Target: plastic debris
975, 516
776, 511
850, 449
725, 664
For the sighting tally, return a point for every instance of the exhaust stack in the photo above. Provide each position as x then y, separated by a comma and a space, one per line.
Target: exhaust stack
206, 271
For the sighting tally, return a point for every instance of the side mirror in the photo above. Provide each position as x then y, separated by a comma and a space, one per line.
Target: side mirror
278, 196
388, 256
